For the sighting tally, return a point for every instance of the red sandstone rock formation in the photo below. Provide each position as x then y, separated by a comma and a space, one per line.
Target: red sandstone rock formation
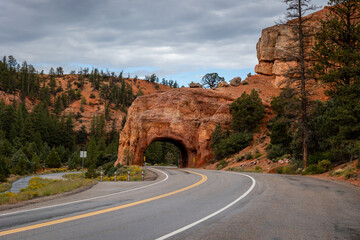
274, 45
185, 117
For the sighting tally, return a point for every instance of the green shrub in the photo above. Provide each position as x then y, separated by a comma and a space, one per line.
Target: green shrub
349, 173
258, 169
257, 153
275, 151
325, 165
233, 144
289, 169
358, 164
247, 112
91, 173
239, 158
92, 96
222, 164
313, 169
249, 156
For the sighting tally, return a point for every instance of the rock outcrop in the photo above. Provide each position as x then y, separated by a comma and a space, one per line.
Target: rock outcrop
185, 117
275, 48
235, 81
195, 85
222, 84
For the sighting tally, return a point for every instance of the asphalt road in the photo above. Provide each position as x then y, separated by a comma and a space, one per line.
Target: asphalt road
212, 205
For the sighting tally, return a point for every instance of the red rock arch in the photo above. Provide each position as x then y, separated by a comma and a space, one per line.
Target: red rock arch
186, 117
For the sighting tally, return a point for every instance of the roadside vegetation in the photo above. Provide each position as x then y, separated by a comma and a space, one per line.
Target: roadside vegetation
39, 187
247, 113
314, 136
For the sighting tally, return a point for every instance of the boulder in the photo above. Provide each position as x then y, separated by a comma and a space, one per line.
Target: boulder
222, 84
235, 81
195, 85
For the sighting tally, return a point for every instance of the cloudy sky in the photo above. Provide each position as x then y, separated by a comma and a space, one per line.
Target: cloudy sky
176, 39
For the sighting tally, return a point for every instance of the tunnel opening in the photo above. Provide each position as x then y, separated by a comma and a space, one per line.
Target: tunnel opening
166, 151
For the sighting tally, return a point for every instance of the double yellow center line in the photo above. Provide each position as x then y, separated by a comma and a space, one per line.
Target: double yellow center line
68, 219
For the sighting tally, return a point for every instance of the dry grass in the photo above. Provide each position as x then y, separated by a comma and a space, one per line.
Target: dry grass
7, 185
39, 187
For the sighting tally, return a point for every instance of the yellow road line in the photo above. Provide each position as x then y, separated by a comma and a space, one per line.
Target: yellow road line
22, 229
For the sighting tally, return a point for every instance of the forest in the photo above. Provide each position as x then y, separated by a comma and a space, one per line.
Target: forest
45, 137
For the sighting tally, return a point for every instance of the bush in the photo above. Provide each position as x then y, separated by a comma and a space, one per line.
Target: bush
358, 164
313, 169
92, 95
240, 158
275, 151
257, 154
289, 169
258, 169
247, 112
249, 156
233, 144
325, 165
222, 164
349, 173
91, 173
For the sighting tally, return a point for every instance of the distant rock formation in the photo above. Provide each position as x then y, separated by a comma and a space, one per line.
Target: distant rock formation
274, 45
235, 81
222, 84
195, 85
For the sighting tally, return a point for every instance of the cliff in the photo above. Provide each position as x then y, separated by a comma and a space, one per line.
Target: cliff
276, 45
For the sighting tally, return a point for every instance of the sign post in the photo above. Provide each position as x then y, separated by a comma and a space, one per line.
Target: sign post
83, 155
144, 165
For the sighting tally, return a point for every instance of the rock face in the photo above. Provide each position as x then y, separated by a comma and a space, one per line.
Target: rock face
185, 117
222, 84
275, 46
195, 85
235, 81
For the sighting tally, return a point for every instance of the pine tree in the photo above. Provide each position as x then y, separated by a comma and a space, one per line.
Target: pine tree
337, 46
91, 152
4, 169
53, 160
20, 163
337, 49
300, 77
35, 163
247, 112
27, 131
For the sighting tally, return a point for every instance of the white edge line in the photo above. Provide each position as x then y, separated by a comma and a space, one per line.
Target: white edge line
213, 214
88, 199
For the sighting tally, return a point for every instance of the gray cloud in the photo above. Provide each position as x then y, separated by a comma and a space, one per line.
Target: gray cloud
169, 35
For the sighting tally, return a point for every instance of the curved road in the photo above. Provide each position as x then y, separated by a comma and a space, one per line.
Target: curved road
195, 204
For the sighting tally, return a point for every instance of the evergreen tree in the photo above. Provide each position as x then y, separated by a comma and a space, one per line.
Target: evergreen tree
35, 163
299, 76
337, 46
91, 152
81, 136
337, 49
53, 160
247, 112
4, 169
20, 163
27, 132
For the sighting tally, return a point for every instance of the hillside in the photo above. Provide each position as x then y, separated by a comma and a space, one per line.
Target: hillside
95, 103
